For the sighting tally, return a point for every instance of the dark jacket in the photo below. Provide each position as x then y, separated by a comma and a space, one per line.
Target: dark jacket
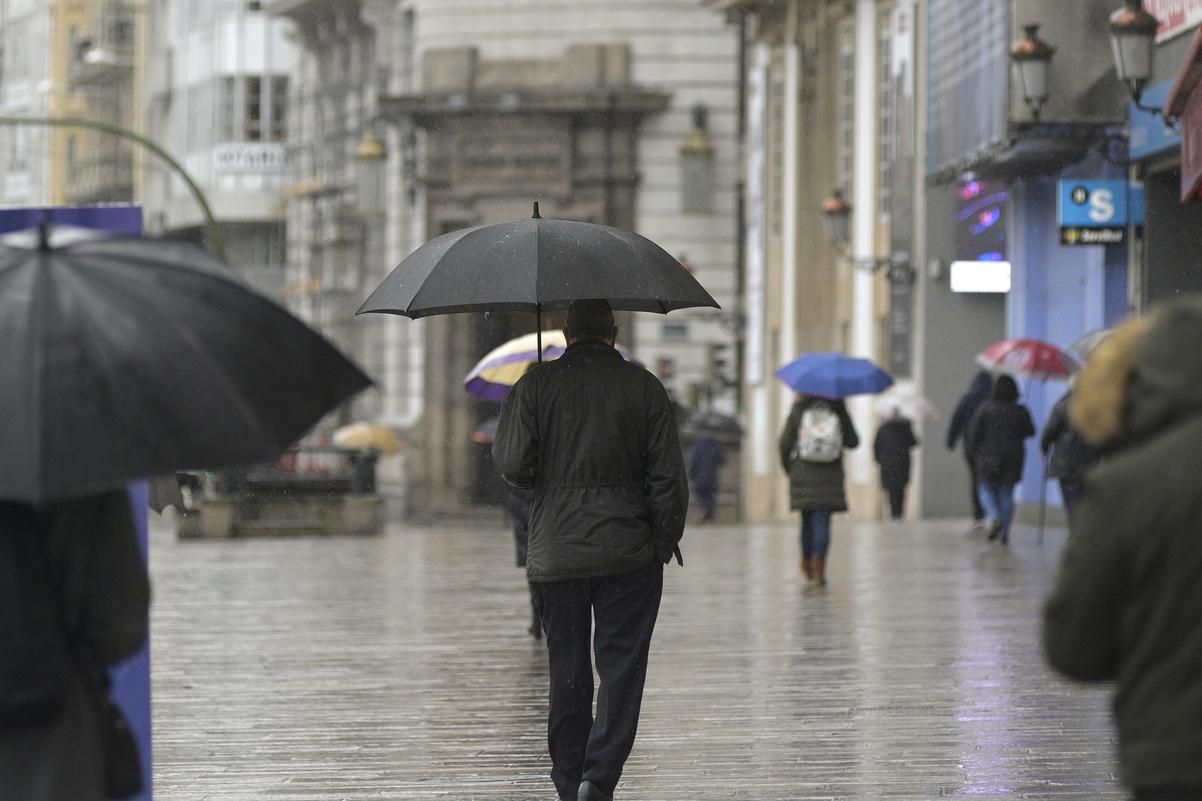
894, 441
595, 437
996, 434
705, 460
978, 393
815, 485
1127, 605
104, 595
1071, 454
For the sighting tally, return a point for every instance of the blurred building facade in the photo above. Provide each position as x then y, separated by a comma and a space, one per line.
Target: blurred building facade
829, 106
216, 89
37, 45
614, 112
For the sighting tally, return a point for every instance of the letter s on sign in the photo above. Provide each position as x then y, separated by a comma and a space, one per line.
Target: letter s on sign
1101, 205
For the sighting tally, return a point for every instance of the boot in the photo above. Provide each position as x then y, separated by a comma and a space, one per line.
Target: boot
819, 570
807, 567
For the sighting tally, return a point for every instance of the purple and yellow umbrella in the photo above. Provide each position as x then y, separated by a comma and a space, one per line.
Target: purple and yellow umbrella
494, 376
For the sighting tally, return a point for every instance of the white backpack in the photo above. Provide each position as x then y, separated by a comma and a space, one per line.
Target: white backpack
820, 436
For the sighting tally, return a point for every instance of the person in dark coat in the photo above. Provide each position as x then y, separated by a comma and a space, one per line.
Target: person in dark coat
816, 489
995, 437
894, 441
104, 596
595, 437
1071, 455
1127, 603
517, 504
705, 460
978, 392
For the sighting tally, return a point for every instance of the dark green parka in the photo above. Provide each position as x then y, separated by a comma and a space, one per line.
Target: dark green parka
1127, 606
815, 485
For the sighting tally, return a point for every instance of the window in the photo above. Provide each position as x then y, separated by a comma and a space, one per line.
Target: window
227, 116
776, 139
845, 81
887, 122
253, 125
279, 108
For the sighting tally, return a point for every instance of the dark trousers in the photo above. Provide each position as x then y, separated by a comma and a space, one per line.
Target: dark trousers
978, 511
624, 608
1070, 491
897, 502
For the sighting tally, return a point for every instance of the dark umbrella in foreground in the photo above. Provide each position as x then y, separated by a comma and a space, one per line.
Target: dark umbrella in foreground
128, 358
534, 265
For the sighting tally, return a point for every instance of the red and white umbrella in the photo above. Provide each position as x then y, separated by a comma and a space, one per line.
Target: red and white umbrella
1029, 358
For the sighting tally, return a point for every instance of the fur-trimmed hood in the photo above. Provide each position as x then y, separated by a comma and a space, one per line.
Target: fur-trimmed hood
1143, 378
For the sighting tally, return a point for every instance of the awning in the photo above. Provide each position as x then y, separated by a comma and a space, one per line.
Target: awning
1185, 103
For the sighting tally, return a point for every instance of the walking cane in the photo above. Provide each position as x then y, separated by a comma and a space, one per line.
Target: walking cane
1043, 496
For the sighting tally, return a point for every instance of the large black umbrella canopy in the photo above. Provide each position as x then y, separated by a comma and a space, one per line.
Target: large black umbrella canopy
126, 358
534, 265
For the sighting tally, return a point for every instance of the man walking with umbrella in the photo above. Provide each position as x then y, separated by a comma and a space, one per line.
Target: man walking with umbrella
595, 438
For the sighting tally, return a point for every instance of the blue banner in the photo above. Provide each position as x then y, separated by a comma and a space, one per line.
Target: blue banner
131, 679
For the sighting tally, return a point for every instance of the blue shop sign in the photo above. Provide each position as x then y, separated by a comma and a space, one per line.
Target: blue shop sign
1098, 204
1149, 135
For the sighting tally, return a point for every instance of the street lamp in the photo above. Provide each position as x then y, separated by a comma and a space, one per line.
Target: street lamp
1132, 40
1031, 57
836, 217
370, 156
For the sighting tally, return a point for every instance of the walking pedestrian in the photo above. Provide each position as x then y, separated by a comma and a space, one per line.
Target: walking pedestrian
1127, 604
811, 451
74, 598
995, 438
1069, 454
517, 504
595, 437
705, 460
894, 441
978, 393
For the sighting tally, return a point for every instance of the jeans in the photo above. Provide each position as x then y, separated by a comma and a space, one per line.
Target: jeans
621, 611
998, 501
815, 532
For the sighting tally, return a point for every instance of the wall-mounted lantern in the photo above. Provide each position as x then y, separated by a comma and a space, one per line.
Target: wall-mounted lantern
1031, 57
697, 166
370, 158
1133, 43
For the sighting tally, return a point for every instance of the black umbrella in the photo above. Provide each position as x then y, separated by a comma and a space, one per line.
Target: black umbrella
126, 358
534, 265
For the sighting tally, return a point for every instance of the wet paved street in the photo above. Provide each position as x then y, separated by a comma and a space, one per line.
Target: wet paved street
399, 668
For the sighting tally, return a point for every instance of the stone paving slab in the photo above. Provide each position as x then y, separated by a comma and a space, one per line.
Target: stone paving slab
399, 668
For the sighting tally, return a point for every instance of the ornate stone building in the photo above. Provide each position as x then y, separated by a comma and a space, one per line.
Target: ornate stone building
482, 108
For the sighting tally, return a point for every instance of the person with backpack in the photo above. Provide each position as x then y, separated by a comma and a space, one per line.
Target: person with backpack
995, 438
74, 598
811, 451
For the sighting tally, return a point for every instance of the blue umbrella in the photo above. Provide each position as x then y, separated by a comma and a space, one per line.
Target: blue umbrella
834, 375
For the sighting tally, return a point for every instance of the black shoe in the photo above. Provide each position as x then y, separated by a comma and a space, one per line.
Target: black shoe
996, 531
590, 792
